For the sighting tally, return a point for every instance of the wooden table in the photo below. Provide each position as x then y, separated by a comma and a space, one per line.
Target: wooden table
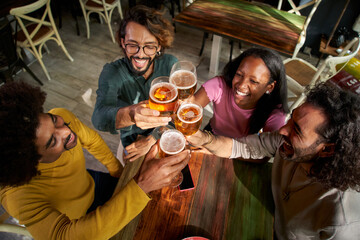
246, 21
231, 200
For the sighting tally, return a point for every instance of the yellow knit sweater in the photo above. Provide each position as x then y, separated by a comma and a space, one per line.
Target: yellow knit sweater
54, 204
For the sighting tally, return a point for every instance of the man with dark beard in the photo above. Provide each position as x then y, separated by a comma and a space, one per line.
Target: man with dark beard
124, 84
316, 169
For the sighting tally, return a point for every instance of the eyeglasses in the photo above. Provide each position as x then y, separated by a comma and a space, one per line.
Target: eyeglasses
147, 49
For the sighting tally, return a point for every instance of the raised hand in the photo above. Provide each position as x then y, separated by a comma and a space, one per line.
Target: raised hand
158, 173
139, 148
199, 138
146, 118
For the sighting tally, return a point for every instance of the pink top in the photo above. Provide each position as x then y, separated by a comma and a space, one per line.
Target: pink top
229, 119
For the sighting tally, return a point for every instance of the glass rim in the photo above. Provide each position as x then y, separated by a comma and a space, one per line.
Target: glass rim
163, 79
176, 132
185, 104
153, 87
180, 87
185, 62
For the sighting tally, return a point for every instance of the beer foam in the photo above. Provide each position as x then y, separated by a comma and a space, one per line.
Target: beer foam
183, 77
170, 86
172, 142
190, 114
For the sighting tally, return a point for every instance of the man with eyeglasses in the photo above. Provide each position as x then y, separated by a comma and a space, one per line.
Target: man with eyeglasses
124, 84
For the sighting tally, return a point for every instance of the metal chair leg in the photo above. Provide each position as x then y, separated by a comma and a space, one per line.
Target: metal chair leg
29, 71
205, 36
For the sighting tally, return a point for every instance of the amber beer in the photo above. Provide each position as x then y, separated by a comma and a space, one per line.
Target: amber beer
189, 118
163, 97
185, 82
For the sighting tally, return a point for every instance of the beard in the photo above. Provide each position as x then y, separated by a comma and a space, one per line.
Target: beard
135, 71
299, 155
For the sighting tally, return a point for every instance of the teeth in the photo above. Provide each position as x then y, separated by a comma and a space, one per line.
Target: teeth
241, 93
139, 61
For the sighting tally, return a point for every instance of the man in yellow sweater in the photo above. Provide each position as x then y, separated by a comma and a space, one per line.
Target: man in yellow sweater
43, 179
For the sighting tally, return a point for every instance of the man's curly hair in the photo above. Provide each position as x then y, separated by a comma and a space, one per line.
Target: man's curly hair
20, 106
153, 20
342, 110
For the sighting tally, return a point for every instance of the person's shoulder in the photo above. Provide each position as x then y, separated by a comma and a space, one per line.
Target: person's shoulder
15, 195
278, 110
117, 64
168, 58
114, 70
217, 81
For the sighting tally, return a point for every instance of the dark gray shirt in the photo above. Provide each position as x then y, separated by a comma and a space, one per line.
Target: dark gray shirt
118, 88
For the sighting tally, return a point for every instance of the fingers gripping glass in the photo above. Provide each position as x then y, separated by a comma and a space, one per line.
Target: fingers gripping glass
134, 48
172, 142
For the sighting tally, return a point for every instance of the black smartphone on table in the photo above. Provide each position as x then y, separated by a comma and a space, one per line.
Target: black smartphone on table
187, 183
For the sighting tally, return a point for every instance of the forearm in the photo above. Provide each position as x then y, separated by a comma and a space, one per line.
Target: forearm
218, 145
230, 148
102, 223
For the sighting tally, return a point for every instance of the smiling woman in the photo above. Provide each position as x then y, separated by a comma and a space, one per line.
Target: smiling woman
250, 95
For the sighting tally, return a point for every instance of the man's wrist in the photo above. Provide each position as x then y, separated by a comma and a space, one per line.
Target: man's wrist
152, 139
132, 113
210, 138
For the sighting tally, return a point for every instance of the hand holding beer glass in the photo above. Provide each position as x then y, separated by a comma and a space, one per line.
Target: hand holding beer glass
172, 142
188, 118
163, 96
183, 75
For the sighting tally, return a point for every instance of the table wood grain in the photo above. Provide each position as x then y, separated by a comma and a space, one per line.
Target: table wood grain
247, 21
231, 200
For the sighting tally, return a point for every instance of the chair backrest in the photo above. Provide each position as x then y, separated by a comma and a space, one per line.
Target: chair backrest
22, 13
334, 64
296, 10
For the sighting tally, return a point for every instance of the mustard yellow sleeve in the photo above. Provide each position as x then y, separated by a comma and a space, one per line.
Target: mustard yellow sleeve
45, 222
91, 141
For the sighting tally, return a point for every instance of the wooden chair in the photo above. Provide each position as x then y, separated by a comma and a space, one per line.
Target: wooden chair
35, 32
300, 73
104, 8
9, 59
296, 10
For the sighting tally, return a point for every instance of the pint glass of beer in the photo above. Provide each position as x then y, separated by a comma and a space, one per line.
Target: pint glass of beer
172, 142
188, 118
163, 96
183, 75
